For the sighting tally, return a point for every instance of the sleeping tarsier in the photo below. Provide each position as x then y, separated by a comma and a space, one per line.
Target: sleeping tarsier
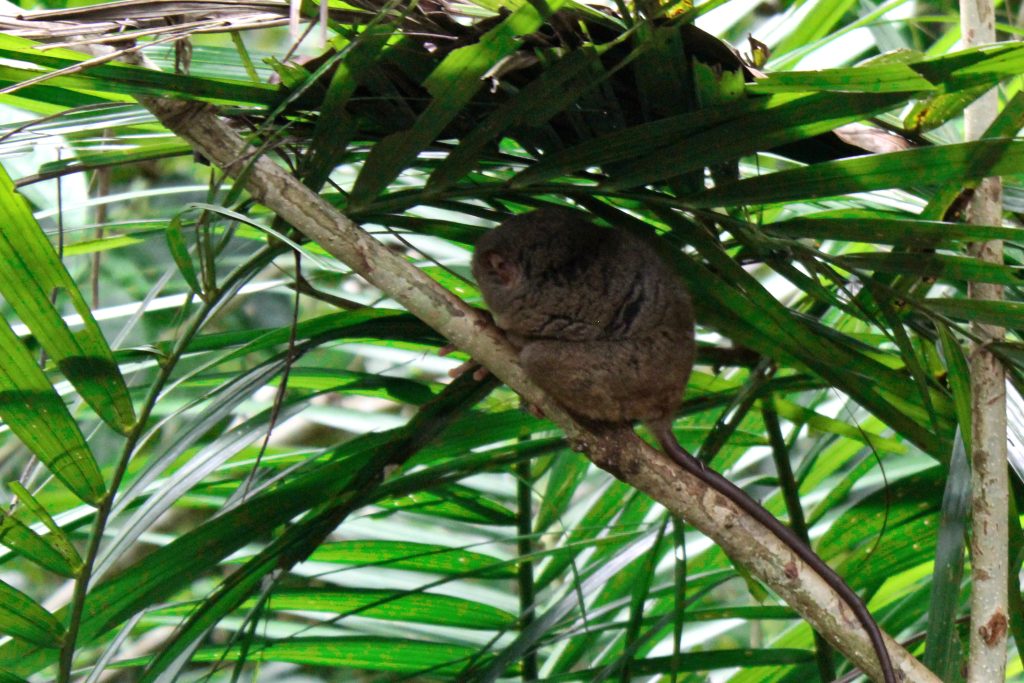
604, 325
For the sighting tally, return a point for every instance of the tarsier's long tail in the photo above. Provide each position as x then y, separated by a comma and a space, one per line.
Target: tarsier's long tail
663, 432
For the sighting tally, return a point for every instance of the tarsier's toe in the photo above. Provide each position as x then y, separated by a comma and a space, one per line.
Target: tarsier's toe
532, 409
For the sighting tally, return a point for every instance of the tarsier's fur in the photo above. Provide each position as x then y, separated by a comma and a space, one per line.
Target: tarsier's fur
602, 323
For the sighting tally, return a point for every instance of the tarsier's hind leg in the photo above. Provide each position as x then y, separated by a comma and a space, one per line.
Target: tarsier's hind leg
601, 379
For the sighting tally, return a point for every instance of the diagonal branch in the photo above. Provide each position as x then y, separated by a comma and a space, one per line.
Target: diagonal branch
617, 450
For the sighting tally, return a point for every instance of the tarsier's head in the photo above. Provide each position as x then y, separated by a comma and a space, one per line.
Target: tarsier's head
521, 255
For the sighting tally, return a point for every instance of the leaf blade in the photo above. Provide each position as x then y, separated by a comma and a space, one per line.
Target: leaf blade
29, 270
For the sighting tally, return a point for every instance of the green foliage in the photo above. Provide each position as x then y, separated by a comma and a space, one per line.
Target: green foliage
255, 447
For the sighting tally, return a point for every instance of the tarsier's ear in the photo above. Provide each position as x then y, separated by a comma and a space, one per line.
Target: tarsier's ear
506, 270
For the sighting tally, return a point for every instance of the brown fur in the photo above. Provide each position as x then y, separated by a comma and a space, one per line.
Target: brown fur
602, 323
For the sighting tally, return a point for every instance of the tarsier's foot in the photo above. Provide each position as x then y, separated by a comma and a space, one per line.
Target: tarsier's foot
479, 372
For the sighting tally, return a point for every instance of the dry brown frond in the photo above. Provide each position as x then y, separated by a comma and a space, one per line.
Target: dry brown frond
130, 20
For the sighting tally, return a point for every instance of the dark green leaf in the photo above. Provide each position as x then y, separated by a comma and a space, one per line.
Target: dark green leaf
23, 618
943, 653
415, 556
179, 251
368, 653
927, 165
883, 230
426, 608
26, 542
30, 406
451, 85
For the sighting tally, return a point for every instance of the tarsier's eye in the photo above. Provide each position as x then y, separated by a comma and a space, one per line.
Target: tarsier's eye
506, 270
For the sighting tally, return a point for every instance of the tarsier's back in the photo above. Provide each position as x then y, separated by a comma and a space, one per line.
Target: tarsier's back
602, 322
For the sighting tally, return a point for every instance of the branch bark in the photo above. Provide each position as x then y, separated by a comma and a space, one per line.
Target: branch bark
617, 450
989, 479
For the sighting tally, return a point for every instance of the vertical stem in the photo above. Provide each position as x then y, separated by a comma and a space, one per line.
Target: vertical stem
527, 596
989, 481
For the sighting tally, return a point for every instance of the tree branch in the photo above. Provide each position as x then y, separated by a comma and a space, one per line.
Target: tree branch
617, 450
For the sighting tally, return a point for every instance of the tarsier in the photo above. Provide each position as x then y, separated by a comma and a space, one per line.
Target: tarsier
605, 326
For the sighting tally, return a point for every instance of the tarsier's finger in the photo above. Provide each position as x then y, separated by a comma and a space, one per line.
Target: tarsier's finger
479, 374
479, 371
461, 369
